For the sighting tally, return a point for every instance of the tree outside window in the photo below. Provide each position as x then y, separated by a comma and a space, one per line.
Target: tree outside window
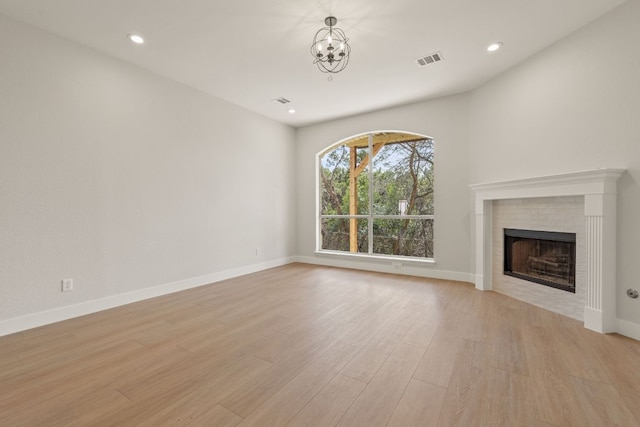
376, 195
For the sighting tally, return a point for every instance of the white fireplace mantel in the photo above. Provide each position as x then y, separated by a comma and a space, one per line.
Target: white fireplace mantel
599, 188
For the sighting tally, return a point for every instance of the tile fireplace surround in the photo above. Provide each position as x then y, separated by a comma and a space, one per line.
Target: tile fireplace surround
551, 214
598, 187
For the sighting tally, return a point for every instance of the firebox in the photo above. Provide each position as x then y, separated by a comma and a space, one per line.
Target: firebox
544, 257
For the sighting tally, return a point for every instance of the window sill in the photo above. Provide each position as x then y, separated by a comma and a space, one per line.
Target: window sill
378, 258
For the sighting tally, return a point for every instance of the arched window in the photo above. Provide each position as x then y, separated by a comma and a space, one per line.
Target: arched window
376, 195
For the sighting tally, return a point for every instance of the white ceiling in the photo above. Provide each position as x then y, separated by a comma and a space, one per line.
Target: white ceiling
249, 52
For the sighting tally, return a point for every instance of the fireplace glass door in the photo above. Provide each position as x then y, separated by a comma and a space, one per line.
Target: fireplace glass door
543, 257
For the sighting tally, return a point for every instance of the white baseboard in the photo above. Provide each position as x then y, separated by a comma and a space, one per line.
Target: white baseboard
386, 267
629, 329
17, 324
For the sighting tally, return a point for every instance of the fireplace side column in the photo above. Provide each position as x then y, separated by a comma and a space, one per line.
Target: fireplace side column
484, 209
600, 304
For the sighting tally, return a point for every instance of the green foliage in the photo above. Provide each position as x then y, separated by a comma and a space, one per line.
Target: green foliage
335, 234
401, 171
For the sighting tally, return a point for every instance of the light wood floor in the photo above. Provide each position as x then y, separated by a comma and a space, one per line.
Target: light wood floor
313, 346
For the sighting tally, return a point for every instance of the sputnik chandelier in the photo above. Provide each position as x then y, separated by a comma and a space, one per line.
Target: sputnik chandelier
330, 47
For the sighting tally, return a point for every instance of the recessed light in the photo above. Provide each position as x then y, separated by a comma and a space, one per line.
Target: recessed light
292, 111
494, 46
136, 38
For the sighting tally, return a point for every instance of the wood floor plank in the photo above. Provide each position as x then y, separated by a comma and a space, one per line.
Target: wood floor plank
45, 383
509, 400
439, 358
465, 402
192, 368
551, 386
68, 409
289, 400
438, 361
419, 406
369, 325
136, 412
8, 364
577, 356
602, 404
23, 375
367, 362
216, 416
253, 394
196, 402
330, 404
36, 353
620, 357
509, 352
226, 338
378, 400
424, 328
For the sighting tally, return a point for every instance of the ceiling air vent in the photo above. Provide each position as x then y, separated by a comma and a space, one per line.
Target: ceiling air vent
429, 59
281, 100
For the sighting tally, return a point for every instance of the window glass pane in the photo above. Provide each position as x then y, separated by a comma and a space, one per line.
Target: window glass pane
336, 234
406, 237
402, 184
335, 181
403, 179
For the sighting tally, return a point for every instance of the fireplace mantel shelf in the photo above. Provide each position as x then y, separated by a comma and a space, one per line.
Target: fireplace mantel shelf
599, 188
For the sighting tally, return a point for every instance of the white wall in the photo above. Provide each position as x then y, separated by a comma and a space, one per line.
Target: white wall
575, 106
446, 121
124, 180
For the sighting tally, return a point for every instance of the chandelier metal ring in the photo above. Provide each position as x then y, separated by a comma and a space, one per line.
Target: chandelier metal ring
330, 47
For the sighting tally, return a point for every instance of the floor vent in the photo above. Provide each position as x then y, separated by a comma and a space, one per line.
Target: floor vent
429, 59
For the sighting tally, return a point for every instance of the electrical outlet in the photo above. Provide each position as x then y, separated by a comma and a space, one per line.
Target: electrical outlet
67, 285
396, 265
258, 251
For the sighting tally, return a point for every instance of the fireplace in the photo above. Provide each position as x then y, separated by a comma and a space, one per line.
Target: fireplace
594, 301
544, 257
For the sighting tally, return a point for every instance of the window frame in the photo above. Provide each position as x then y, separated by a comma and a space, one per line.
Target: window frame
370, 217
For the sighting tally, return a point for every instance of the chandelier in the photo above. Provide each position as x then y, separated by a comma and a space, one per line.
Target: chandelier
330, 47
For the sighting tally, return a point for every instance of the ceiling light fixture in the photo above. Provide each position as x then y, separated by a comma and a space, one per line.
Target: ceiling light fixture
494, 46
136, 38
292, 111
330, 47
